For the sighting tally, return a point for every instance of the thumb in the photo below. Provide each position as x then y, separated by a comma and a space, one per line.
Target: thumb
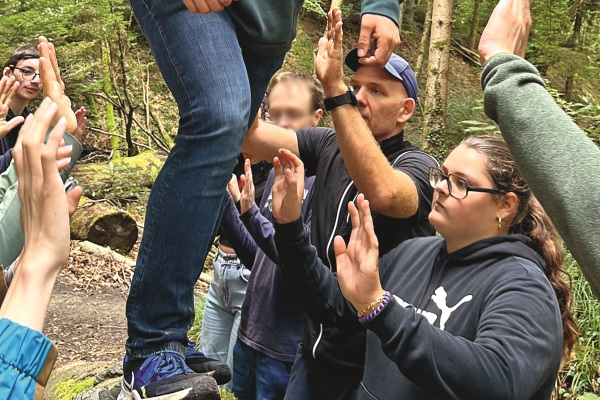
73, 199
364, 39
13, 123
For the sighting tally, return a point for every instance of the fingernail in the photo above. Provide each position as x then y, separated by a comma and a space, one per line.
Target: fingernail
69, 147
361, 52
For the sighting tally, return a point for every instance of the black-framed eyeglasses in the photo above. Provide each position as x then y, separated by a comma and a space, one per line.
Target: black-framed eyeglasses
28, 74
458, 186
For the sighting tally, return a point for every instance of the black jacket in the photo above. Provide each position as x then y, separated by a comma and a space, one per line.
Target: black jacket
480, 323
333, 189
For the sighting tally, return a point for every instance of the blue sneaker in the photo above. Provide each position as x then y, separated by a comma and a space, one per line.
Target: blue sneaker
165, 376
201, 364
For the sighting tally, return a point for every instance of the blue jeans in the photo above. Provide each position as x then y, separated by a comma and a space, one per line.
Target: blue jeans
257, 376
223, 308
218, 87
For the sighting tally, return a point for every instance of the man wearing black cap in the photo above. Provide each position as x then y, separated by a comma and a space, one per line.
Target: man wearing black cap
391, 173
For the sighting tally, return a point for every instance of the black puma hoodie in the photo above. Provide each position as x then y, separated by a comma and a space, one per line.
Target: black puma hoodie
480, 323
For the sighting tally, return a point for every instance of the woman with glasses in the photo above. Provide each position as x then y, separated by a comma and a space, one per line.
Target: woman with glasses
481, 312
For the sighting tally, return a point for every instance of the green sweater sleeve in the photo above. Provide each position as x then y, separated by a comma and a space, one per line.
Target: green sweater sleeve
387, 8
558, 160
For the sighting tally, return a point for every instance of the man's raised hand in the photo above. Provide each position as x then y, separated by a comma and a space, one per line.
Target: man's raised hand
329, 58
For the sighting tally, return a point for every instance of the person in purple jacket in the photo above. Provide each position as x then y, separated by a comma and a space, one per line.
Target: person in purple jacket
271, 320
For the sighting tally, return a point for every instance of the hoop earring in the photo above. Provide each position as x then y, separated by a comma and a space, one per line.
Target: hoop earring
499, 223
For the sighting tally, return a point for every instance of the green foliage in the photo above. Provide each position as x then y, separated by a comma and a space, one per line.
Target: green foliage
69, 388
582, 373
301, 54
314, 6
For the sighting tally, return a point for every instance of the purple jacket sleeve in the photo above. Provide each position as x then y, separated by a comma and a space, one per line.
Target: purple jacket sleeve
5, 160
238, 236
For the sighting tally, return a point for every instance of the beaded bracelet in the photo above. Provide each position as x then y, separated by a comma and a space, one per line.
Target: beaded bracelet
384, 301
369, 309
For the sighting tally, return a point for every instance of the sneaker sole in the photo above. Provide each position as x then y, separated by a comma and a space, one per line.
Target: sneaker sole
222, 374
202, 391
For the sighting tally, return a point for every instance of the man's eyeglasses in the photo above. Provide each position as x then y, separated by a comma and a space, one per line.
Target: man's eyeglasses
28, 73
458, 186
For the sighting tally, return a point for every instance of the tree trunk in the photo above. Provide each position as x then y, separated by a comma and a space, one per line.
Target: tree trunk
108, 107
436, 100
474, 24
104, 224
401, 16
409, 13
424, 46
122, 178
574, 45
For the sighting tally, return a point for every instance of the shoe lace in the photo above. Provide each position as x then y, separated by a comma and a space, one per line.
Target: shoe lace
192, 351
161, 366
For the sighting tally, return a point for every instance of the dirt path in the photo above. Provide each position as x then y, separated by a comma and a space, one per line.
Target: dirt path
86, 325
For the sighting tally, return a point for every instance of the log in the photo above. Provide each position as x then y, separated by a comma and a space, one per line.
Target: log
102, 223
122, 178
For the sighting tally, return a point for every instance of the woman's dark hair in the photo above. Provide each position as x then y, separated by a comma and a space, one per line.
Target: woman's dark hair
532, 221
22, 53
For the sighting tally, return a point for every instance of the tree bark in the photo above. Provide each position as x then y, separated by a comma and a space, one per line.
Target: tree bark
409, 13
474, 24
104, 224
111, 125
401, 16
424, 46
121, 178
574, 45
436, 100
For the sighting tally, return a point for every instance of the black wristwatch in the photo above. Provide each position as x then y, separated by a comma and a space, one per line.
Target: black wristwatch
346, 98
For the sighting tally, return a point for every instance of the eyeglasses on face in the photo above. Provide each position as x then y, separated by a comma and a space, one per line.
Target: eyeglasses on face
458, 186
28, 73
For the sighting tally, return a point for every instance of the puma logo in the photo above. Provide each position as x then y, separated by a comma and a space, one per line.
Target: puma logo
439, 298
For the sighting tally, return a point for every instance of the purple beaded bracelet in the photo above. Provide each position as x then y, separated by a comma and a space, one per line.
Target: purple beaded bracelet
375, 312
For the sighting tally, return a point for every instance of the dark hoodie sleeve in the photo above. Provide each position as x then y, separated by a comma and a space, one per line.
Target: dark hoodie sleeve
312, 284
261, 230
5, 160
517, 350
239, 238
387, 8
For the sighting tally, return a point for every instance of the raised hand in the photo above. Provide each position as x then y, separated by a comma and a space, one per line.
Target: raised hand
44, 210
233, 188
288, 188
357, 271
507, 30
8, 88
53, 85
329, 59
81, 122
385, 38
247, 200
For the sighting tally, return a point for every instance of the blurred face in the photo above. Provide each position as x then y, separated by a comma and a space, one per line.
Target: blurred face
28, 89
464, 221
290, 106
382, 101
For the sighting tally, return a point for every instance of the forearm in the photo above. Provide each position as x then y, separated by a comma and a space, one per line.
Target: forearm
390, 192
312, 284
263, 140
29, 293
558, 160
262, 231
236, 233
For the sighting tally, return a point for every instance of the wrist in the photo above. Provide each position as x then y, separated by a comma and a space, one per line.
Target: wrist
336, 89
367, 308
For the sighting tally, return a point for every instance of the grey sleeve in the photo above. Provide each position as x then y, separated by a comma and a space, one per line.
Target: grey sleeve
558, 160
